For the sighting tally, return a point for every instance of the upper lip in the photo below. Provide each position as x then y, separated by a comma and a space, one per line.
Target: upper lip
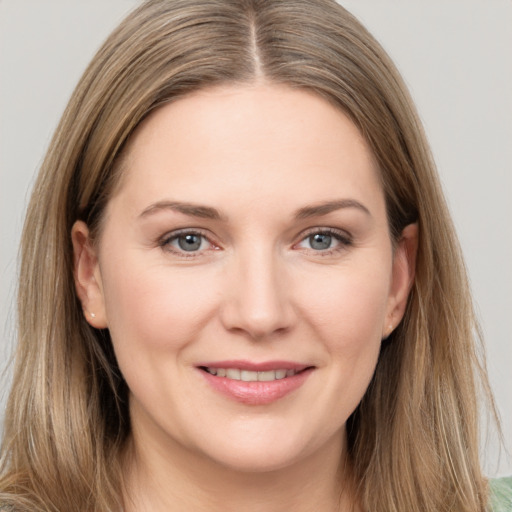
263, 366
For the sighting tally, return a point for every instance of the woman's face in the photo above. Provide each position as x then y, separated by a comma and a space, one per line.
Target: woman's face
246, 275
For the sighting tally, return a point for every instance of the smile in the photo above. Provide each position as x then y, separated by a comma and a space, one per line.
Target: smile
251, 376
253, 383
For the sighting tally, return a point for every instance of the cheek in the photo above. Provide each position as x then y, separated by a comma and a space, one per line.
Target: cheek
347, 309
154, 309
344, 311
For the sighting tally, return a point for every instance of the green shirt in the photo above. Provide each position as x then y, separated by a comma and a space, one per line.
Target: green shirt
501, 494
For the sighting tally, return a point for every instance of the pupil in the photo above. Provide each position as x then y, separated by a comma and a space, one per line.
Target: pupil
320, 241
189, 242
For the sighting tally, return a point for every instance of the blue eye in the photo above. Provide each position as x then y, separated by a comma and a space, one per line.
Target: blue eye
326, 241
185, 242
190, 242
320, 241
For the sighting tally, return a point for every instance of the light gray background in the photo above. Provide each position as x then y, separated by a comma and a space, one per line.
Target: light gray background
456, 56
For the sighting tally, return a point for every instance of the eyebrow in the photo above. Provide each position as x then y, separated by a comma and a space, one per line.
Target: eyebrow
328, 207
207, 212
191, 209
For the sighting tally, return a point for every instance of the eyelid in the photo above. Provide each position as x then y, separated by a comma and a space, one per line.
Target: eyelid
341, 233
344, 238
164, 242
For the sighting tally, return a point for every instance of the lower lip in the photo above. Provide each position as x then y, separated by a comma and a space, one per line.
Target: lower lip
256, 393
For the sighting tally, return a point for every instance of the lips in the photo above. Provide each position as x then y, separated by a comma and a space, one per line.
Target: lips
255, 383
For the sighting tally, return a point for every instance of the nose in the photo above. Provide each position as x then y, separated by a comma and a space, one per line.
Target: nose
257, 297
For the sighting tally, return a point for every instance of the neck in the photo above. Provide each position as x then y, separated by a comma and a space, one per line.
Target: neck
176, 479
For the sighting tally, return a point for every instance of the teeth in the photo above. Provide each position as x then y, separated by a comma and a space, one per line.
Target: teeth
248, 376
280, 374
251, 376
266, 376
233, 373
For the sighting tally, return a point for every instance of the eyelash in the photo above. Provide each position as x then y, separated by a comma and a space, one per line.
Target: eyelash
167, 239
342, 237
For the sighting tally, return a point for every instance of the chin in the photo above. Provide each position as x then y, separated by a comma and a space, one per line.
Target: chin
263, 452
255, 460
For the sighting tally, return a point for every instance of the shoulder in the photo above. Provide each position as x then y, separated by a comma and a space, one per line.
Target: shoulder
501, 494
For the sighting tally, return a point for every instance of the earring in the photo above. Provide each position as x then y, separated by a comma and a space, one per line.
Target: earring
390, 327
92, 315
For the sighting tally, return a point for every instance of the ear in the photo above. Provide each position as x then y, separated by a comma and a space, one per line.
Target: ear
404, 266
86, 272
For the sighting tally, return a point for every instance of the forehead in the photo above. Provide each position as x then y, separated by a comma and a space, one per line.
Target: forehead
261, 140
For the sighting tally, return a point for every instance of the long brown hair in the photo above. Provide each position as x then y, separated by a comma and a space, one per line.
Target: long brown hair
413, 440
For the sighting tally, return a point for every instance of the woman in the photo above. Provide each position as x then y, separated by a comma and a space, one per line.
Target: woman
240, 285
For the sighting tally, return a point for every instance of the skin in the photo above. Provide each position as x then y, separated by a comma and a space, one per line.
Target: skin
258, 289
